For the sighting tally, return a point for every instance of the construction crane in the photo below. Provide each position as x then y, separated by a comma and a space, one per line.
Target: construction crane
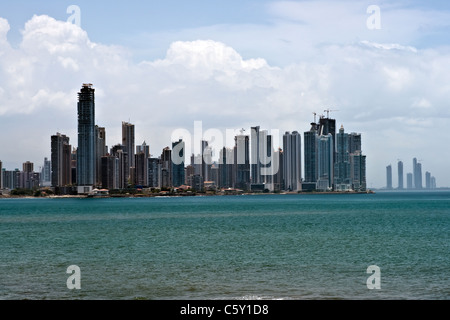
328, 112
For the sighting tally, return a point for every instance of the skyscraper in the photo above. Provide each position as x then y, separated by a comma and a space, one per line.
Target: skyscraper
178, 161
310, 147
255, 155
166, 168
292, 164
128, 142
400, 175
110, 172
28, 167
418, 182
242, 161
389, 177
417, 174
101, 150
226, 158
342, 168
206, 160
141, 164
61, 173
154, 172
427, 180
124, 169
86, 152
1, 175
325, 166
409, 181
358, 175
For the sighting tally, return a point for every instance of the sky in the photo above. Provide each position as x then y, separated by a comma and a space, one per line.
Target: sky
381, 66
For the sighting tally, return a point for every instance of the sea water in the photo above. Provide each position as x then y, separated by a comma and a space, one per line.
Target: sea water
228, 247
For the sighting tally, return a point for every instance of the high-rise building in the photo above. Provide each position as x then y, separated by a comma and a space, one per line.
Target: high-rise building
418, 181
242, 162
292, 164
268, 164
141, 164
327, 126
110, 172
166, 168
433, 183
310, 147
101, 150
342, 168
46, 174
278, 180
61, 173
225, 168
128, 143
325, 166
389, 177
154, 173
358, 174
28, 167
400, 175
1, 175
417, 174
427, 180
255, 155
354, 143
409, 181
86, 152
178, 163
124, 170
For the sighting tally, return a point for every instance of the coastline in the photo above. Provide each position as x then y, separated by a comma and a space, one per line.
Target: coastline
183, 194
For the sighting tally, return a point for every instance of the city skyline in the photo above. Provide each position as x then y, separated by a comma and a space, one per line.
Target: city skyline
266, 63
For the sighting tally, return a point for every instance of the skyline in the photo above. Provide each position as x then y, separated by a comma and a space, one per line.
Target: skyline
390, 84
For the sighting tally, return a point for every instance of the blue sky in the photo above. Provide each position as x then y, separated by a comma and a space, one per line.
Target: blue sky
231, 64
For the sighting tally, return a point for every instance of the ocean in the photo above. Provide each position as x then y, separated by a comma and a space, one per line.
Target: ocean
249, 247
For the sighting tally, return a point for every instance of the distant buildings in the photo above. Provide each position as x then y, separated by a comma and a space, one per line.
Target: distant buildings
389, 177
400, 174
414, 179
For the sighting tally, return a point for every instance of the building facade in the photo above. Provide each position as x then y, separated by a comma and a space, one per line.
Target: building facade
86, 152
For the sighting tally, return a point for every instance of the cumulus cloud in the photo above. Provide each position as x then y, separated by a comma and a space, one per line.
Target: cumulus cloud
380, 89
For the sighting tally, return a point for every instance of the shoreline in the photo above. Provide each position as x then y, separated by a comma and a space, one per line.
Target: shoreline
168, 195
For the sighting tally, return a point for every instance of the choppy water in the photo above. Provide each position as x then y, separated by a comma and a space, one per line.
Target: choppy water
231, 247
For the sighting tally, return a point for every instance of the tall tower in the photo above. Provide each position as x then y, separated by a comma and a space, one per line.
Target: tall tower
292, 169
389, 177
311, 159
255, 155
178, 161
242, 161
128, 142
342, 173
101, 150
61, 173
400, 175
86, 152
325, 165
